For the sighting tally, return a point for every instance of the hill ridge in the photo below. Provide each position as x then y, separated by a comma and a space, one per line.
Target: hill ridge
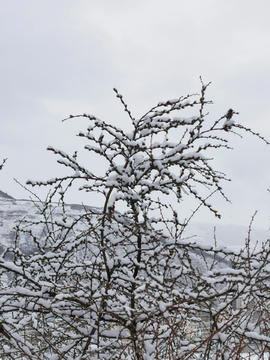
5, 195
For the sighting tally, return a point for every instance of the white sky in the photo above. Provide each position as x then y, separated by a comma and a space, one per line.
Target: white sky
64, 57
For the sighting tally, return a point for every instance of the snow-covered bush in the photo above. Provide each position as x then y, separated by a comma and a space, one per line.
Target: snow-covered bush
121, 281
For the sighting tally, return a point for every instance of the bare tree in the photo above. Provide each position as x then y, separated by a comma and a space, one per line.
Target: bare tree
121, 281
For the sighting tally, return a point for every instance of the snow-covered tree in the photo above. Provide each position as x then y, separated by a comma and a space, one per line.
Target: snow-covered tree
121, 281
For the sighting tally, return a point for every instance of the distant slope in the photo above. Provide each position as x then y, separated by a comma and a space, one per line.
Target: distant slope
12, 211
5, 196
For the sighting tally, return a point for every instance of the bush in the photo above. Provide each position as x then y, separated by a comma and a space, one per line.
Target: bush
120, 281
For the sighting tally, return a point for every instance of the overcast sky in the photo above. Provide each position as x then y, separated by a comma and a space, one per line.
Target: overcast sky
64, 57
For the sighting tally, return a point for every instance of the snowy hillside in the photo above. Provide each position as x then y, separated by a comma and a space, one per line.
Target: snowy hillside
13, 211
